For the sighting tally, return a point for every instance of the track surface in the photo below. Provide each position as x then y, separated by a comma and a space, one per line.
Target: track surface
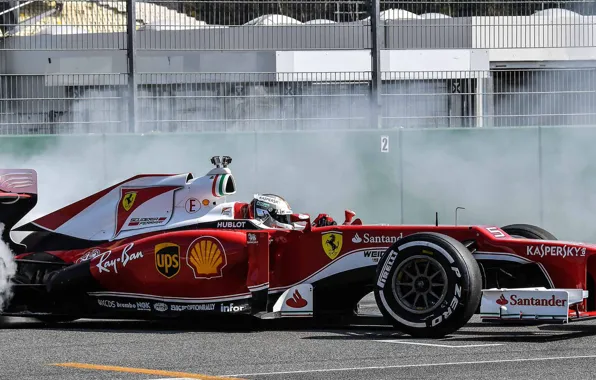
478, 351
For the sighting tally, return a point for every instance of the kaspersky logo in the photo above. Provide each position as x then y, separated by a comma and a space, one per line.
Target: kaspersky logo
502, 301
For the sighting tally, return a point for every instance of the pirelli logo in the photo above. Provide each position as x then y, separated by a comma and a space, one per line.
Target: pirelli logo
386, 269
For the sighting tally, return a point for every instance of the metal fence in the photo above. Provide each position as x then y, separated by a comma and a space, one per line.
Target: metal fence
80, 66
250, 102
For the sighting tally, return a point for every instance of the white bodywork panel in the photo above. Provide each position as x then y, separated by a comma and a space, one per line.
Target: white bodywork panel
296, 301
178, 203
529, 304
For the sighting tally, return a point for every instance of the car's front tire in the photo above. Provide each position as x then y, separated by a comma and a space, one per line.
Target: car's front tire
428, 285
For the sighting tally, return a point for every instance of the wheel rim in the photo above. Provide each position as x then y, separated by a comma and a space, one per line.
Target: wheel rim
419, 284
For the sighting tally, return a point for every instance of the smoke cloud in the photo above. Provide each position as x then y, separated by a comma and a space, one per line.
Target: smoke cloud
500, 176
314, 172
8, 268
560, 102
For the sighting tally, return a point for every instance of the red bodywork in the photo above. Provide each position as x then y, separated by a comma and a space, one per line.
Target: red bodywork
216, 264
280, 259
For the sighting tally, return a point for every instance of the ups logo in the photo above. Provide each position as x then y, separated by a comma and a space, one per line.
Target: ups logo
167, 259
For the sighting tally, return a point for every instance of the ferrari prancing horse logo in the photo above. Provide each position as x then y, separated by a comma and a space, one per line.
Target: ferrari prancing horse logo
332, 242
129, 199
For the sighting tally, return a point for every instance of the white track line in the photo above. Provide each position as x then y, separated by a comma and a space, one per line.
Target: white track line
416, 365
439, 345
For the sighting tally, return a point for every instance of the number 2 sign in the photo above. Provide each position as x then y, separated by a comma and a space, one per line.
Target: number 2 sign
384, 144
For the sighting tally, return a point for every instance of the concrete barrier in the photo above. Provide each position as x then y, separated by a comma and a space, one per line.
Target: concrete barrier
543, 176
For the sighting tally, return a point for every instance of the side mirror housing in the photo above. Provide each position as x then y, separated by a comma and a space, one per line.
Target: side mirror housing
297, 218
349, 215
301, 218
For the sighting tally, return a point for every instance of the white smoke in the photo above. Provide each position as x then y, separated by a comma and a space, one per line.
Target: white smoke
560, 102
8, 268
493, 173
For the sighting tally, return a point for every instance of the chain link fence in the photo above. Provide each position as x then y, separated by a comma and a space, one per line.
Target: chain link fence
265, 102
242, 65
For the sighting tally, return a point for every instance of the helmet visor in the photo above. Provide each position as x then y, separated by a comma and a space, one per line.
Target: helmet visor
269, 215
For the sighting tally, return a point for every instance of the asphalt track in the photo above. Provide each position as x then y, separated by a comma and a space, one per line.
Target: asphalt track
132, 350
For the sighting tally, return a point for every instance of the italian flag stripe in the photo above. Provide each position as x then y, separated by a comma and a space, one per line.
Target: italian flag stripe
221, 186
213, 185
217, 188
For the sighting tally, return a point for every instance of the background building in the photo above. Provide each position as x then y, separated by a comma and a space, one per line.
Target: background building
293, 65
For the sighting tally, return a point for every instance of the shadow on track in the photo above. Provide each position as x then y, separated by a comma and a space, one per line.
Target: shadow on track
473, 332
481, 333
233, 324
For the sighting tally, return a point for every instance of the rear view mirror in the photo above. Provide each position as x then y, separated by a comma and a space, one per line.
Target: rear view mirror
297, 218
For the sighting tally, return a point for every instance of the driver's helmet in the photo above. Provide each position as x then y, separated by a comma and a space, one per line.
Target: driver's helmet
272, 210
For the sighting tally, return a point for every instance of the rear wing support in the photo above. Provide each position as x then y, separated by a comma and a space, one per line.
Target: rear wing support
18, 196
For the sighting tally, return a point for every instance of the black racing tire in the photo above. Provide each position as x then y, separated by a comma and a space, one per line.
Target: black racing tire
528, 231
455, 300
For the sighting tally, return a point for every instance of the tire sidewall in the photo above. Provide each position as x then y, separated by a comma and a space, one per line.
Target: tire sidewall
452, 308
528, 231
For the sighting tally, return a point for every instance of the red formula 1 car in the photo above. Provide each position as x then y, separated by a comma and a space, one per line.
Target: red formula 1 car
170, 246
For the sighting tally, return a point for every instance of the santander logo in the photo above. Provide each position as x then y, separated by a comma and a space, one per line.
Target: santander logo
296, 302
515, 300
502, 300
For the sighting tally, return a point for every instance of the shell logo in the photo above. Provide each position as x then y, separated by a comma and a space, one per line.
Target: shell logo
206, 257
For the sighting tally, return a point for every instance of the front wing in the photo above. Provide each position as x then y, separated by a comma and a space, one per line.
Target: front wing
533, 305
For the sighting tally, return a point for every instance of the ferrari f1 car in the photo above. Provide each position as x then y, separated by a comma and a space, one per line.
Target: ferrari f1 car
170, 246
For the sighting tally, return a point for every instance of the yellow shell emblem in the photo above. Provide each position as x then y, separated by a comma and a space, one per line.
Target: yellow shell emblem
332, 242
206, 257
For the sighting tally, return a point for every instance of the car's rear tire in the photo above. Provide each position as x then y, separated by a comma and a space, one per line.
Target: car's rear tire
446, 285
528, 231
